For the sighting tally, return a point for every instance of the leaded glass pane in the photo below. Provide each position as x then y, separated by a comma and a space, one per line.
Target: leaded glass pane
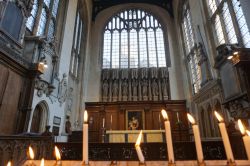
160, 48
219, 31
51, 29
115, 49
124, 49
47, 2
42, 23
242, 23
106, 50
55, 8
143, 49
133, 49
31, 20
151, 49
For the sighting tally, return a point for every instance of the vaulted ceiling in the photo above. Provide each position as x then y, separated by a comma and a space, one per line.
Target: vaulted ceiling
99, 5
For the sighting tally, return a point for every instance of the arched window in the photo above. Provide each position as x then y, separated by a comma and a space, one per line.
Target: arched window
190, 49
229, 23
133, 39
42, 21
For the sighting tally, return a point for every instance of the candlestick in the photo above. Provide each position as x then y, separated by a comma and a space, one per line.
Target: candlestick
138, 148
225, 139
178, 118
246, 137
103, 122
58, 157
111, 121
85, 140
168, 138
197, 140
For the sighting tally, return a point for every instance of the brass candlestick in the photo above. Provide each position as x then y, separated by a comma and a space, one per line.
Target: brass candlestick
113, 163
201, 163
171, 163
84, 164
142, 163
231, 163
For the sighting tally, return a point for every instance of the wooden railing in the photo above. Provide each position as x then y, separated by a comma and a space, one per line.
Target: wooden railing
14, 148
213, 150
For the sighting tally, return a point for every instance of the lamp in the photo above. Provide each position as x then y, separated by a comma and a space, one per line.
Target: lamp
43, 62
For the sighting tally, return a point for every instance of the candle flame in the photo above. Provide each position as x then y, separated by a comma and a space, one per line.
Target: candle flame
85, 116
218, 116
42, 162
241, 127
9, 163
190, 118
248, 132
57, 152
138, 141
164, 114
31, 153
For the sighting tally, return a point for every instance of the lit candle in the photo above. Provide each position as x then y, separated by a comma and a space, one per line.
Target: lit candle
197, 138
58, 156
138, 148
103, 122
9, 163
31, 156
42, 162
246, 137
225, 138
85, 147
168, 137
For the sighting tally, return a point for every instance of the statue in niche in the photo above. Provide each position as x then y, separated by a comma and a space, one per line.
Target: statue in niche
105, 87
164, 73
70, 99
62, 89
124, 88
115, 88
164, 87
155, 90
144, 87
134, 73
134, 87
68, 126
144, 73
154, 72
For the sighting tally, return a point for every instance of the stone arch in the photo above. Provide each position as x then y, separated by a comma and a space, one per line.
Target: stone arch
40, 117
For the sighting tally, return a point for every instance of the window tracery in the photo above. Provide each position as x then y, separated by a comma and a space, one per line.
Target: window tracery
133, 39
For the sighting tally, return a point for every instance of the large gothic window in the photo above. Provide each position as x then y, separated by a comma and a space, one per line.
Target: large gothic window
229, 23
75, 55
133, 39
190, 50
43, 18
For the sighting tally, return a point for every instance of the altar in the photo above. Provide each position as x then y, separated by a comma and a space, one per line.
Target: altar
130, 136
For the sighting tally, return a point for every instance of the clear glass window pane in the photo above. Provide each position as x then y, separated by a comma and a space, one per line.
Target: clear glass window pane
115, 49
42, 23
160, 48
219, 31
151, 48
55, 8
143, 49
124, 49
133, 49
106, 50
31, 20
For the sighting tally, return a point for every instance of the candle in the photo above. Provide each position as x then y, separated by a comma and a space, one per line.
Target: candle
168, 137
58, 156
103, 122
138, 148
31, 156
42, 162
9, 163
85, 139
246, 137
225, 138
197, 138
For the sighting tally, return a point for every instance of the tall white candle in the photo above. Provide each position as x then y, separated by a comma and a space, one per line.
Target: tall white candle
246, 137
42, 162
138, 148
85, 148
178, 118
31, 156
225, 137
9, 163
197, 138
168, 137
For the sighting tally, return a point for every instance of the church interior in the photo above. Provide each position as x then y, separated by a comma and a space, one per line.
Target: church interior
125, 82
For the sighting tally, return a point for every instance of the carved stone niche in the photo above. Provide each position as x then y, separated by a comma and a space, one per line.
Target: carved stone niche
239, 108
43, 87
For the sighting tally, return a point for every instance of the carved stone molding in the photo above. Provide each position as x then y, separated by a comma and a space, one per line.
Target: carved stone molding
26, 6
43, 87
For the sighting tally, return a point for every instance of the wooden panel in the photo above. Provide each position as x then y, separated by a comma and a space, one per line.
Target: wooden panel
10, 101
151, 110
